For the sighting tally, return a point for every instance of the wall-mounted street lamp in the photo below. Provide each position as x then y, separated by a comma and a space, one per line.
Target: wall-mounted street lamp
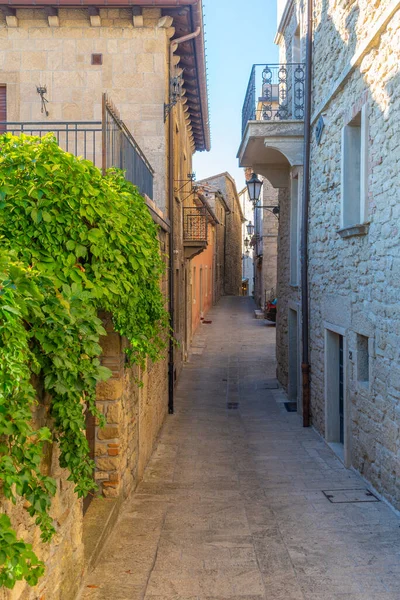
247, 243
254, 186
250, 228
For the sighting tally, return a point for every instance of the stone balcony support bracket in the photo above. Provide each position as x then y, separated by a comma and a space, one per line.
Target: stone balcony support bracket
271, 148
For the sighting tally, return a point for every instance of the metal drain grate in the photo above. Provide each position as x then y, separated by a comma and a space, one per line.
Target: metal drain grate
271, 384
349, 496
291, 406
232, 405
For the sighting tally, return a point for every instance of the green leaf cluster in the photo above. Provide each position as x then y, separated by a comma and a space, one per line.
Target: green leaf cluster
72, 243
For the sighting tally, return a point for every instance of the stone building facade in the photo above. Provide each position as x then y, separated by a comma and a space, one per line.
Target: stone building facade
247, 255
354, 257
130, 52
225, 184
353, 240
265, 246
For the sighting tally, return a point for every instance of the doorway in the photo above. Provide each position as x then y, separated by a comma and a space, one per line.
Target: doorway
293, 355
201, 293
336, 418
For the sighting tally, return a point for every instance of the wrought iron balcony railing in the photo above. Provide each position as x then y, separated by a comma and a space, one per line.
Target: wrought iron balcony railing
275, 93
83, 138
121, 150
107, 143
195, 224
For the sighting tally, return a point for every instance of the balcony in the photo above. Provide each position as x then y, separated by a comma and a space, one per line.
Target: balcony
107, 143
272, 121
195, 230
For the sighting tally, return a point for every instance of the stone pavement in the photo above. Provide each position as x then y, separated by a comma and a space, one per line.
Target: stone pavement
231, 505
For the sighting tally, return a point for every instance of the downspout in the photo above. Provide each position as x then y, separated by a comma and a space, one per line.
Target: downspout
305, 367
171, 365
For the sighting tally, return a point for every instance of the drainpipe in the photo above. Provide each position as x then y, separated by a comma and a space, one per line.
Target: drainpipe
305, 367
171, 365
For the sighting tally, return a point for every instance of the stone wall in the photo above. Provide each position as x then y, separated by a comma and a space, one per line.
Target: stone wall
354, 282
220, 230
233, 243
65, 552
354, 279
134, 73
267, 227
134, 416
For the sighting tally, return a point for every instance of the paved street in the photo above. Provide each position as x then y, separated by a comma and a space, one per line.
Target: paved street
232, 502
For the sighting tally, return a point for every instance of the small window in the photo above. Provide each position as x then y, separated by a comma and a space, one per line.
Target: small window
362, 359
296, 47
354, 170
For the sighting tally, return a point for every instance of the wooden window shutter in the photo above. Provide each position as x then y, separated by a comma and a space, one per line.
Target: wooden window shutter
3, 107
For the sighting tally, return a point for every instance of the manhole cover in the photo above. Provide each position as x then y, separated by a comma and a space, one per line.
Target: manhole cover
350, 496
233, 405
291, 406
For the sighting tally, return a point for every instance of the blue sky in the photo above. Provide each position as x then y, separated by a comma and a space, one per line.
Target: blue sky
238, 34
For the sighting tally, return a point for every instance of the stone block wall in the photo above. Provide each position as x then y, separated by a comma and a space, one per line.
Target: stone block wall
287, 295
133, 72
134, 416
233, 245
66, 550
354, 282
354, 279
266, 272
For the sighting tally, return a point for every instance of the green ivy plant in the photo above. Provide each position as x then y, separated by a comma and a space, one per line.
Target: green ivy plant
72, 243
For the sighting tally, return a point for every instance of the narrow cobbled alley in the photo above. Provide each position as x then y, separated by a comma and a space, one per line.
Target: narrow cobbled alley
232, 503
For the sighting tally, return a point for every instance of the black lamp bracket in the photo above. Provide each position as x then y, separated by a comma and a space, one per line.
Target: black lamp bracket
42, 90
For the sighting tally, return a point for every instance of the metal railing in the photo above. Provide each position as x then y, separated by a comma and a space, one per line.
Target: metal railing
121, 150
282, 93
107, 143
195, 224
81, 138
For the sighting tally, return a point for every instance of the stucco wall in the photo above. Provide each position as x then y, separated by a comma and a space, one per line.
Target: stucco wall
202, 293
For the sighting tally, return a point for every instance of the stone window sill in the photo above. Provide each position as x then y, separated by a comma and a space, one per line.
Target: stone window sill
353, 230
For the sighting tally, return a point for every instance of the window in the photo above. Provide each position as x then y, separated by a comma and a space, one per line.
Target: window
354, 170
194, 285
362, 359
294, 232
206, 281
3, 106
335, 391
296, 47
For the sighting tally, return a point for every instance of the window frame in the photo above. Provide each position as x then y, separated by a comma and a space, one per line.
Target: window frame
363, 170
